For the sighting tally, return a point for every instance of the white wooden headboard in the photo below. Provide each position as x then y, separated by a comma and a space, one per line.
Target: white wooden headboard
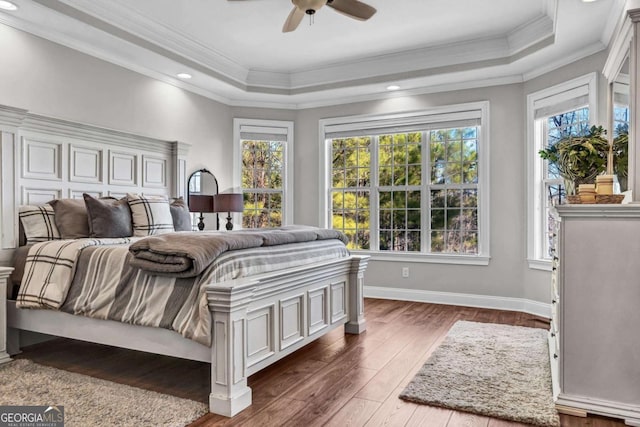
44, 158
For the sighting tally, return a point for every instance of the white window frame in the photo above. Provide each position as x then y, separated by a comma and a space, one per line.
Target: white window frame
554, 95
280, 127
432, 115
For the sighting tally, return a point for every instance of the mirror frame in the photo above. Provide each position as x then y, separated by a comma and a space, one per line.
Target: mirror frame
202, 171
625, 45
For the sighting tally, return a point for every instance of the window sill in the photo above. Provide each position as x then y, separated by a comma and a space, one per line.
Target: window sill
540, 264
426, 258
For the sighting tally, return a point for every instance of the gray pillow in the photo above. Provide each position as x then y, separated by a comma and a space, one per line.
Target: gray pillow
181, 215
108, 218
71, 218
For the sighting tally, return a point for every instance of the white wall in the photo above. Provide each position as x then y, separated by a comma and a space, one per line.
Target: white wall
53, 80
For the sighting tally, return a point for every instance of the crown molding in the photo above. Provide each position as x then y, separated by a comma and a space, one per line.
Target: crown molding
134, 23
565, 60
530, 33
139, 30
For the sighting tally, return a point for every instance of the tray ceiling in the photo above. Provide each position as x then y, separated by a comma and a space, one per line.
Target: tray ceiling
237, 54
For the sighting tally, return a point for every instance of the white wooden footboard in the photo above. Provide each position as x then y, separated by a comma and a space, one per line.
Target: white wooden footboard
257, 321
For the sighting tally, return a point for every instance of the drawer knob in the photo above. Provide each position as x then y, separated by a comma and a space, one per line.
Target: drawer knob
553, 334
553, 301
555, 356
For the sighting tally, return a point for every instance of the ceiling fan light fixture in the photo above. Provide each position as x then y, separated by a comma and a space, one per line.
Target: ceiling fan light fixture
309, 6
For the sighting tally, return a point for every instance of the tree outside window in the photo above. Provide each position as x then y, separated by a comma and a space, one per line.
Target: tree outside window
421, 188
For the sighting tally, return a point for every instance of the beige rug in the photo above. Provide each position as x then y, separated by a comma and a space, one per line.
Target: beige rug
494, 370
90, 401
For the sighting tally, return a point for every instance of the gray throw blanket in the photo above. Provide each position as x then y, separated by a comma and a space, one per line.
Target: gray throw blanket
187, 254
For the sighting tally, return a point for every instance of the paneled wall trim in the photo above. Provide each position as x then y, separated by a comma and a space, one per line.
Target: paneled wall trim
42, 158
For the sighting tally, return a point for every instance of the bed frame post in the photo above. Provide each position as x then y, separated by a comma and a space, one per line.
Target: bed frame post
229, 391
5, 272
356, 323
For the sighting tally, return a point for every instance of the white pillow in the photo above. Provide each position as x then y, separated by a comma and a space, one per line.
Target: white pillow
38, 223
150, 215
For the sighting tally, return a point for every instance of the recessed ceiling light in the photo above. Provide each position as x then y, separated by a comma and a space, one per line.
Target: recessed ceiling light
184, 76
393, 87
7, 5
588, 1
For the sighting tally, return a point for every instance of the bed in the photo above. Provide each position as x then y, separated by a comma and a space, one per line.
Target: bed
253, 321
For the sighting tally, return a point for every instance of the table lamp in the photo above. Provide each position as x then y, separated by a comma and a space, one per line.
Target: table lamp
228, 202
202, 204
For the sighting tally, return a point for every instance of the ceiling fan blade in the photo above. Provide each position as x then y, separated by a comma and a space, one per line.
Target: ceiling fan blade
353, 8
293, 20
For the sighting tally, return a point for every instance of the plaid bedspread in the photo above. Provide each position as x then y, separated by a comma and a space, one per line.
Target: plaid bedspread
49, 269
105, 285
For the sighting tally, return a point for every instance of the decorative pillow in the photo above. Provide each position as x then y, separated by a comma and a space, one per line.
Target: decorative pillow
150, 215
38, 223
71, 217
181, 215
108, 217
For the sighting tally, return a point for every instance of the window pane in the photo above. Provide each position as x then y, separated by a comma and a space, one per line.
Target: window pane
470, 173
452, 241
437, 198
437, 219
413, 241
470, 198
385, 176
453, 198
385, 219
414, 174
437, 173
413, 220
469, 243
454, 151
469, 219
453, 173
413, 199
437, 241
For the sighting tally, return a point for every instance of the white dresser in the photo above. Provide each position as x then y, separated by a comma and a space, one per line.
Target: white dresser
595, 329
4, 277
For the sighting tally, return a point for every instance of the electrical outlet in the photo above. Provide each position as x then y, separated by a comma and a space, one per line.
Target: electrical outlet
405, 272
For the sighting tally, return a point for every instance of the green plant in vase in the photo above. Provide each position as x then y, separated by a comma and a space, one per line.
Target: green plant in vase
579, 159
621, 156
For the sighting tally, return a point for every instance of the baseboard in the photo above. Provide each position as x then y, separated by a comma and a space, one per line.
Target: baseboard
468, 300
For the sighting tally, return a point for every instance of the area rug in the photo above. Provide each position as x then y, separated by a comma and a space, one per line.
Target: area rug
499, 371
89, 401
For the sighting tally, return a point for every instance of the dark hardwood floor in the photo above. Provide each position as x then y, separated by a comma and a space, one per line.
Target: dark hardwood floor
339, 380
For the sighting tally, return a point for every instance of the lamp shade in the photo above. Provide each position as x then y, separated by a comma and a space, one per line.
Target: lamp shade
200, 203
228, 202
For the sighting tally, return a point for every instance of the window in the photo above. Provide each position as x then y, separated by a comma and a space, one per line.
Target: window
410, 184
553, 114
262, 150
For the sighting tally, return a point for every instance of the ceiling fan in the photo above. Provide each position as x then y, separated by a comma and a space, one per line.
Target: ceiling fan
352, 8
